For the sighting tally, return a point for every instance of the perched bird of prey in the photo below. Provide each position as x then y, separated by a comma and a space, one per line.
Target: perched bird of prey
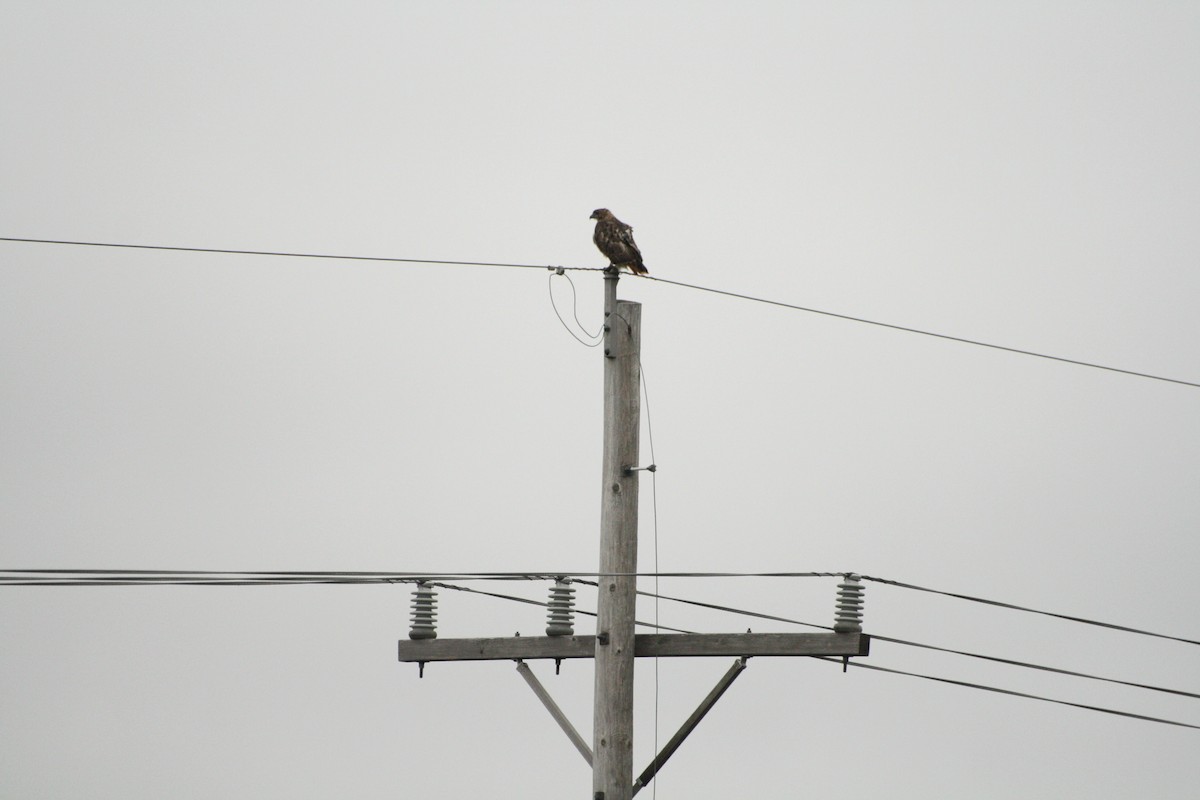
615, 240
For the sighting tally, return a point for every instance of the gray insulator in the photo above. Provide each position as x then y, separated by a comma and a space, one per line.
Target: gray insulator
560, 616
848, 618
424, 605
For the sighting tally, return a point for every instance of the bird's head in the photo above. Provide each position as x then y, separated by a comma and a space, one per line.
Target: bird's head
600, 213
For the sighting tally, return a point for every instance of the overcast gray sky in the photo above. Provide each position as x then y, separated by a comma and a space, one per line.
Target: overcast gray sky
1021, 173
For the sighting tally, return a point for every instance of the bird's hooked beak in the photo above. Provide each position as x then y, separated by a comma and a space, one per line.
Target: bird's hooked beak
593, 216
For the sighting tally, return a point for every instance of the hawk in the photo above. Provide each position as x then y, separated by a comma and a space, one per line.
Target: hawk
615, 240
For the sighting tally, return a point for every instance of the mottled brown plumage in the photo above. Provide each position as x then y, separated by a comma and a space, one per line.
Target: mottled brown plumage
615, 240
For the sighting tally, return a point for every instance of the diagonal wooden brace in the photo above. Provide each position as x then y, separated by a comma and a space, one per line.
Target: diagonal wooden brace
689, 725
555, 711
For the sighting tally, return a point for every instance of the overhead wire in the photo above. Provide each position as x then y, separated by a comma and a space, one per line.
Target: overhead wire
287, 575
1010, 692
288, 254
96, 577
1014, 607
1040, 667
39, 576
876, 637
910, 643
595, 338
723, 292
906, 329
47, 577
275, 578
76, 577
654, 512
143, 577
890, 670
108, 577
528, 601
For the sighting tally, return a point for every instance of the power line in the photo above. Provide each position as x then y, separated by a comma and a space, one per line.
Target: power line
717, 607
654, 510
902, 672
595, 338
105, 577
906, 329
277, 578
909, 643
528, 601
724, 292
109, 577
967, 684
1013, 663
1014, 607
1010, 692
52, 577
283, 254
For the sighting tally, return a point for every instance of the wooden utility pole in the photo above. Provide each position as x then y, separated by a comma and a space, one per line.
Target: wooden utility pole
615, 645
612, 742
